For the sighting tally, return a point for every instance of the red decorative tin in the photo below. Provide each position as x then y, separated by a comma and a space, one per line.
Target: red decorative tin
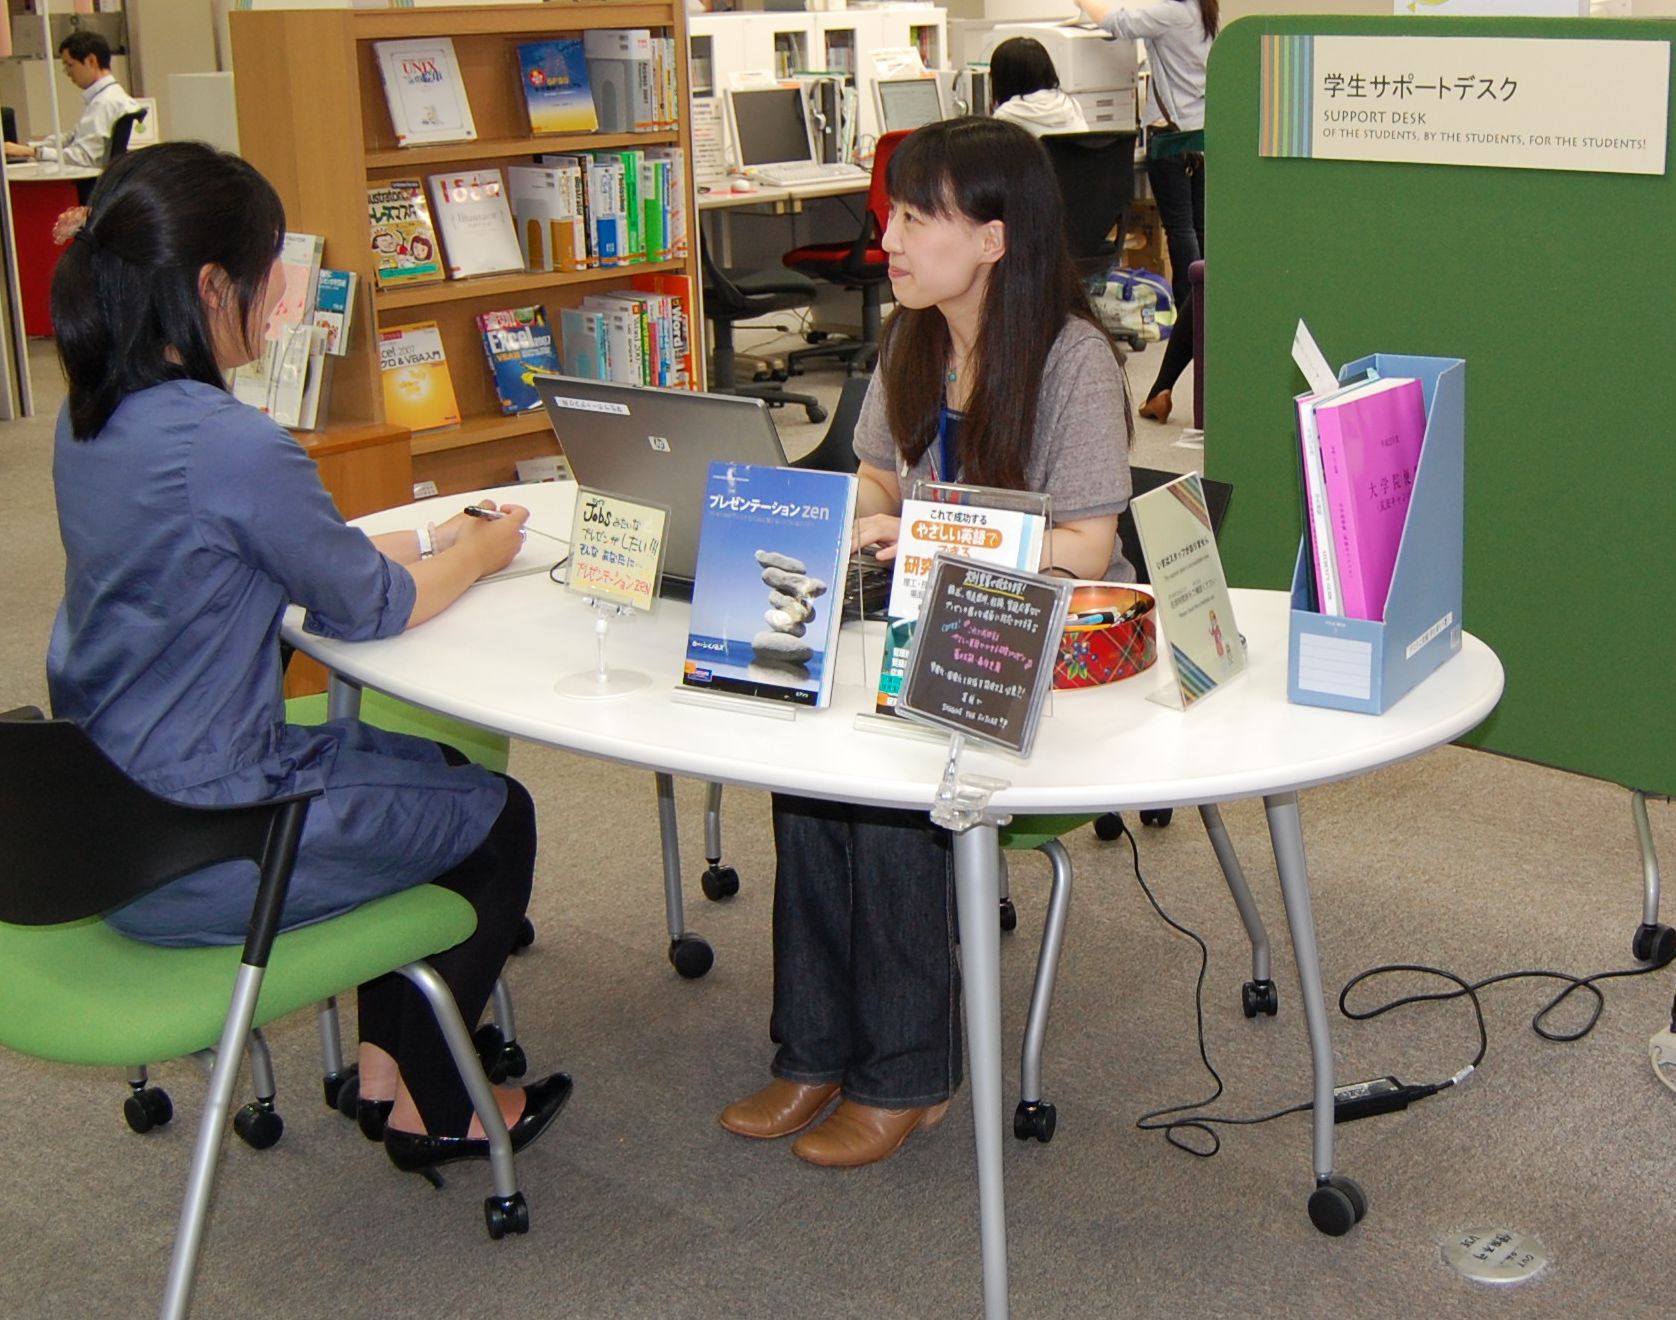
1096, 653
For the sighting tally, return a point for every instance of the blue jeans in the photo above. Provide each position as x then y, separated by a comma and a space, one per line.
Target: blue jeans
1181, 211
866, 987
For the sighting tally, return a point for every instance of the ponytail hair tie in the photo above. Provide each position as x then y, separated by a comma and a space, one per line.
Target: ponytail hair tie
72, 224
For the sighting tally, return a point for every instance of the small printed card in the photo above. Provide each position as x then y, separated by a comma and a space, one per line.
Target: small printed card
984, 651
616, 548
1185, 569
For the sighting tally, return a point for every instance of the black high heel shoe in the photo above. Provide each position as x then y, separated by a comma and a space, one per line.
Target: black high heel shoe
414, 1152
370, 1117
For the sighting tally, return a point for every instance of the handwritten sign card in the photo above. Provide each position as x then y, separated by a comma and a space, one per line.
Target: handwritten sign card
616, 548
983, 653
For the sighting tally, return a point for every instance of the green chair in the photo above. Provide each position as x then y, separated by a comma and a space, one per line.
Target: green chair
497, 1041
84, 839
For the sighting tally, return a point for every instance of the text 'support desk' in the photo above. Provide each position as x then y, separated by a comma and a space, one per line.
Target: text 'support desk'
493, 658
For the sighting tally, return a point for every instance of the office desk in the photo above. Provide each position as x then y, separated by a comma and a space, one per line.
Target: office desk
40, 193
768, 201
493, 658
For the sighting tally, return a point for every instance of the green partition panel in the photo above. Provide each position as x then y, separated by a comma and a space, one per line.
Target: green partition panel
1558, 289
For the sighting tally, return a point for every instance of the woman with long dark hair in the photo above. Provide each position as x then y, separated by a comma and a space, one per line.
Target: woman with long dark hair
189, 521
992, 371
1178, 34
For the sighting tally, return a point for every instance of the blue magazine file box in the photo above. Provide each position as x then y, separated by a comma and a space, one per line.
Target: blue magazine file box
1362, 665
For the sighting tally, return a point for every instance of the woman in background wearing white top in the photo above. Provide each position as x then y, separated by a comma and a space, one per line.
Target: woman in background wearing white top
1177, 34
1026, 89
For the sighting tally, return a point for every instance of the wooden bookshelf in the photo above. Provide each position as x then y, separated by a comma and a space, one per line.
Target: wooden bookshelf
313, 119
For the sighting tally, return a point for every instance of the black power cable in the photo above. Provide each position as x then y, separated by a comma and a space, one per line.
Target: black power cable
1381, 1095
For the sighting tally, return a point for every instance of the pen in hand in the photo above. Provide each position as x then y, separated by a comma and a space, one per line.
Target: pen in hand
477, 511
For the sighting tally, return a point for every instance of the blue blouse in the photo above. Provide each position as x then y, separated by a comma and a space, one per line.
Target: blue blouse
188, 523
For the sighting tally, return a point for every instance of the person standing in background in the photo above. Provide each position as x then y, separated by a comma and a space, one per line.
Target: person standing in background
1026, 89
86, 60
1178, 34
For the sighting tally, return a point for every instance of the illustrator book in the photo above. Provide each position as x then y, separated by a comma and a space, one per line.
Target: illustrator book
403, 242
767, 593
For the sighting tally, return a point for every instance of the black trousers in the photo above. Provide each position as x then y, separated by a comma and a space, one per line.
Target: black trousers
1181, 211
495, 880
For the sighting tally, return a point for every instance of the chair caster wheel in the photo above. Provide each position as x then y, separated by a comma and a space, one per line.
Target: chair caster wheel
1009, 915
258, 1125
148, 1108
349, 1093
1654, 944
1036, 1120
719, 882
1109, 827
506, 1214
526, 936
1158, 816
1259, 997
816, 412
333, 1085
815, 336
691, 956
1338, 1205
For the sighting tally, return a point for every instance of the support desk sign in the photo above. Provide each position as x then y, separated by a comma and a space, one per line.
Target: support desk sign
1533, 103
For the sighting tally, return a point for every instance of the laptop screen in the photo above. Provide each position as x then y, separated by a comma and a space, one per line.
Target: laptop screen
908, 103
770, 126
657, 444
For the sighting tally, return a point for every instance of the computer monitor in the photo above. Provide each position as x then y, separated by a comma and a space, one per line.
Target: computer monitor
769, 126
908, 103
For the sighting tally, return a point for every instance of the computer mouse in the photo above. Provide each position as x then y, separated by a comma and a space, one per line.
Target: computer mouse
744, 185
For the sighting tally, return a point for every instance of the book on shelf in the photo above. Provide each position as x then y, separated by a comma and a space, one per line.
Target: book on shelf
424, 90
582, 343
288, 379
620, 225
627, 85
548, 209
334, 308
403, 240
675, 291
625, 338
1370, 435
299, 268
474, 222
418, 391
768, 584
991, 526
518, 343
554, 76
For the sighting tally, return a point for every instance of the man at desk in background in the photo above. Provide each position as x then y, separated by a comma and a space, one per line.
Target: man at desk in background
86, 57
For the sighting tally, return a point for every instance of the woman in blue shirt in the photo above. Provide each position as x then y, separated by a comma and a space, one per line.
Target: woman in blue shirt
189, 521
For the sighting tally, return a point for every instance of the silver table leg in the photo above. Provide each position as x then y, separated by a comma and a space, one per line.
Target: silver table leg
1287, 835
1234, 874
343, 698
977, 896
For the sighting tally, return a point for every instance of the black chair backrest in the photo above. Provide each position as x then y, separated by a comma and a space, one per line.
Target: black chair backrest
723, 300
1096, 173
8, 123
1218, 494
82, 838
836, 451
121, 131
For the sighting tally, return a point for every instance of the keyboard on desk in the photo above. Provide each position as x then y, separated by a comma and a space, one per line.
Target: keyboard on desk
789, 176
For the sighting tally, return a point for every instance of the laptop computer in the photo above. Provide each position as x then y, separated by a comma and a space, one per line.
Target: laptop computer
658, 444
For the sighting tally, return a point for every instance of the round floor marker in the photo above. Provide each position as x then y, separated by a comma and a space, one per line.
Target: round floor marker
1495, 1255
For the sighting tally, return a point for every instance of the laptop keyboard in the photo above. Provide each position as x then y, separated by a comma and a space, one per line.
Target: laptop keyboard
866, 590
786, 176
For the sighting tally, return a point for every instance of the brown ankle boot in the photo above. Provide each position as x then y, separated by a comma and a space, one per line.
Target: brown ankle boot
859, 1134
1157, 408
778, 1110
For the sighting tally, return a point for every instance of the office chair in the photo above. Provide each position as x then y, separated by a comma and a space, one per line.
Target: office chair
859, 265
1096, 173
8, 123
115, 145
738, 294
836, 451
84, 839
